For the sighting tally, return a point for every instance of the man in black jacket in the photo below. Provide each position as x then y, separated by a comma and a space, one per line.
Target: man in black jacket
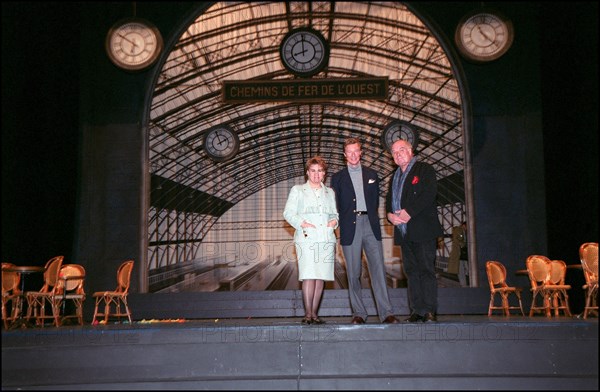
412, 209
357, 196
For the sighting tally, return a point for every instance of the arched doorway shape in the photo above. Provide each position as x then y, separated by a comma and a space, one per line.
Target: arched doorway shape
190, 193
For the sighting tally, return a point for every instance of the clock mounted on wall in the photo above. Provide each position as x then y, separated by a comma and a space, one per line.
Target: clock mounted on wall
484, 35
221, 143
133, 44
397, 130
304, 52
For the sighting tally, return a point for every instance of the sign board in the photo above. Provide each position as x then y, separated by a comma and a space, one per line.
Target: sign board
304, 90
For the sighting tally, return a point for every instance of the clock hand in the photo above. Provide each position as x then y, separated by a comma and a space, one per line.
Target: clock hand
484, 34
128, 40
304, 50
222, 139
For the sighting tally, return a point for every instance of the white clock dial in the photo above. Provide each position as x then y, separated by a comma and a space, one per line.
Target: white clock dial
484, 36
133, 44
221, 143
304, 52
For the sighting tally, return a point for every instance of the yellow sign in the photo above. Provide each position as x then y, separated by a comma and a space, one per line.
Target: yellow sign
304, 90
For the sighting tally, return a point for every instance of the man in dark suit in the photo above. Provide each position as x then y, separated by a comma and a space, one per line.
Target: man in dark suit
357, 196
412, 209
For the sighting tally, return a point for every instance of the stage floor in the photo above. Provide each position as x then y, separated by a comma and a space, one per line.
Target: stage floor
296, 321
336, 321
466, 352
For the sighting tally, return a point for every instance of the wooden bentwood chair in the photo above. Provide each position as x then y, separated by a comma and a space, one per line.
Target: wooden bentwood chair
10, 293
588, 253
496, 273
69, 288
547, 285
113, 300
559, 299
37, 300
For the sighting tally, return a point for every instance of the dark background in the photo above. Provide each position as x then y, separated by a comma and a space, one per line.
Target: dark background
40, 127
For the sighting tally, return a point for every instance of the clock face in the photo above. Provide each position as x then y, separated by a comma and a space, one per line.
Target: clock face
221, 143
397, 130
304, 52
484, 36
133, 44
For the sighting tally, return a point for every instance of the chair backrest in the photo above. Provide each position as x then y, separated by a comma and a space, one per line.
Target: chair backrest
588, 253
124, 276
51, 273
10, 280
538, 269
558, 271
72, 276
496, 273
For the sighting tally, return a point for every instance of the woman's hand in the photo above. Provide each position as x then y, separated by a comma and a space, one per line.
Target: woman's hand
306, 224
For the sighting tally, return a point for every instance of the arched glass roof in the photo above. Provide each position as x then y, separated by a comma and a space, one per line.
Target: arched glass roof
239, 41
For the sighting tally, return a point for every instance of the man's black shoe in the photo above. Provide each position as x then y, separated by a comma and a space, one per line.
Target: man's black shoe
414, 318
429, 317
390, 320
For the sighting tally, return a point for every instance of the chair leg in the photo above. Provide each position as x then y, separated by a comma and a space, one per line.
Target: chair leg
505, 304
555, 303
97, 302
588, 300
543, 307
591, 302
127, 309
42, 316
56, 313
4, 317
30, 306
518, 294
491, 305
17, 308
106, 309
547, 305
532, 308
566, 303
118, 309
78, 310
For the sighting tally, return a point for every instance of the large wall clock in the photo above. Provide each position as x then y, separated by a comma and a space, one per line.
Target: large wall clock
304, 52
397, 130
484, 35
133, 44
221, 143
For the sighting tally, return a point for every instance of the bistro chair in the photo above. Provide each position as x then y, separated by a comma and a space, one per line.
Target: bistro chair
10, 293
588, 253
496, 273
557, 289
538, 270
70, 288
37, 300
113, 300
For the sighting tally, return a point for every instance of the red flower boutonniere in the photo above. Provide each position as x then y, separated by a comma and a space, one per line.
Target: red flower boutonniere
415, 180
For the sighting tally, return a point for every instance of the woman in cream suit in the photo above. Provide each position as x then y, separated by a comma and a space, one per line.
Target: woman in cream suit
311, 210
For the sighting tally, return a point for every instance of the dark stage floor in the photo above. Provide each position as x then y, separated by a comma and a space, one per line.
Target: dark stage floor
466, 352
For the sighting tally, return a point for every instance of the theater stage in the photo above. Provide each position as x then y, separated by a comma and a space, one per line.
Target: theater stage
460, 351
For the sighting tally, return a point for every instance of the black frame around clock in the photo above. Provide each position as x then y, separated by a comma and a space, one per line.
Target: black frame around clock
218, 154
387, 141
297, 71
